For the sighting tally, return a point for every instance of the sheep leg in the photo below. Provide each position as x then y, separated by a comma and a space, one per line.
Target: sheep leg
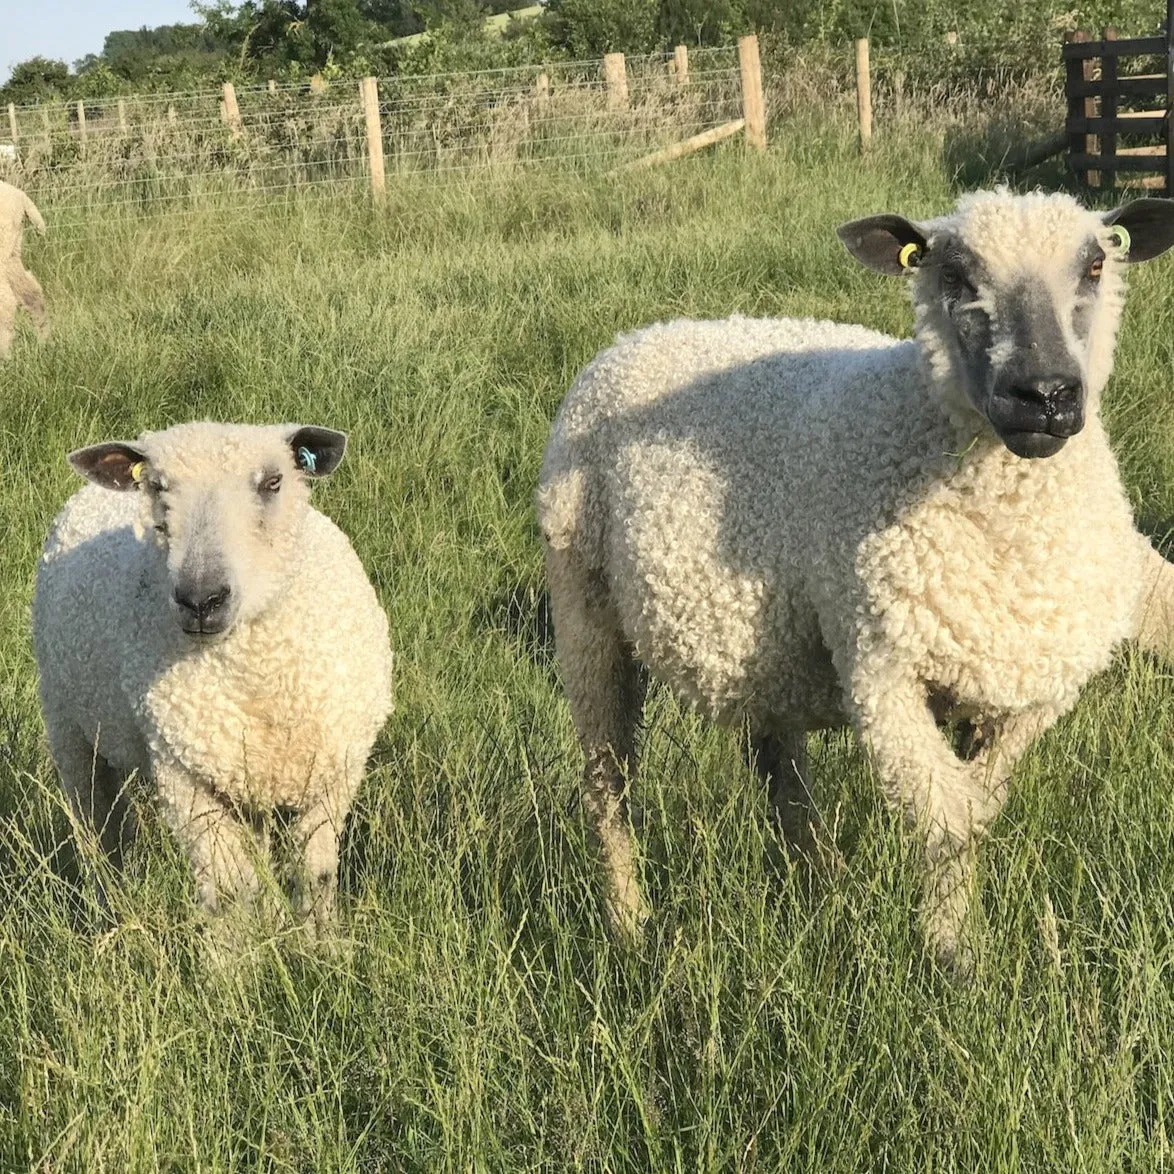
28, 290
952, 801
782, 764
7, 321
221, 847
605, 687
1155, 620
317, 830
96, 795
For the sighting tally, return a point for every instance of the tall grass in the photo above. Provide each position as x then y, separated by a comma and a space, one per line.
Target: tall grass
475, 1015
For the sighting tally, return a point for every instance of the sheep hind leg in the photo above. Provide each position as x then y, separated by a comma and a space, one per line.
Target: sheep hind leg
96, 795
28, 289
605, 687
781, 762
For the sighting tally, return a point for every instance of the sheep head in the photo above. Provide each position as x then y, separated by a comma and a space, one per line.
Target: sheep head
224, 505
1017, 301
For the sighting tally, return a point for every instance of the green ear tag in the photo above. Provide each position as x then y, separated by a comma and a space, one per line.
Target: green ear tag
1120, 236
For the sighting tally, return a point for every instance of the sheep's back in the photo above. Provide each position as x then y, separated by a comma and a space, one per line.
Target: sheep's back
692, 463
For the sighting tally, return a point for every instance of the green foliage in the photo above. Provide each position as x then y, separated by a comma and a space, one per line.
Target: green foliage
39, 79
584, 29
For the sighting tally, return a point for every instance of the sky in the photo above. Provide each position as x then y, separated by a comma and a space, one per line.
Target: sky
67, 29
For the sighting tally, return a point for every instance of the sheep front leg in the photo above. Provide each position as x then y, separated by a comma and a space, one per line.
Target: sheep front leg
605, 687
1155, 619
222, 849
952, 801
781, 762
317, 832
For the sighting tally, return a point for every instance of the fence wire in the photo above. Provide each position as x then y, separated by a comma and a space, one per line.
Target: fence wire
139, 152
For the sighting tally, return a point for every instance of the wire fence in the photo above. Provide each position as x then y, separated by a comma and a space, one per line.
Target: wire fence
136, 153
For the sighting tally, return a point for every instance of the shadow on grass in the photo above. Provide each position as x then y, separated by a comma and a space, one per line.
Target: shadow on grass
999, 153
521, 613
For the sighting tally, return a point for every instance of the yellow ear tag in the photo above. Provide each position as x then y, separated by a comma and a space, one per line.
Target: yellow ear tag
136, 471
1120, 236
910, 256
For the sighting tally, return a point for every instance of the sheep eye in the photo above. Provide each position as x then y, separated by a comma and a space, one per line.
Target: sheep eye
1094, 270
271, 484
957, 285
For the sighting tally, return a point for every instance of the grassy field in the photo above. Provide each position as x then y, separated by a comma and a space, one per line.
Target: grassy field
476, 1015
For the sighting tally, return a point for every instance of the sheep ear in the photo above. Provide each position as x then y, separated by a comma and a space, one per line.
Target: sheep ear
317, 451
1150, 224
113, 465
889, 244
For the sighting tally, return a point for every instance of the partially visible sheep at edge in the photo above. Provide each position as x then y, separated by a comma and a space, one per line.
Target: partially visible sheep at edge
18, 287
198, 622
802, 524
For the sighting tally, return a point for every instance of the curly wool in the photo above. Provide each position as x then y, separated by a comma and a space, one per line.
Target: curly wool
774, 507
280, 712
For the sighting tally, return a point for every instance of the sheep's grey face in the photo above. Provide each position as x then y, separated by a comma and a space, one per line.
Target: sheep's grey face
224, 504
1020, 340
1013, 312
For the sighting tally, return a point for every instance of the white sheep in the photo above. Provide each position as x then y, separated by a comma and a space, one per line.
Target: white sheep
198, 622
18, 287
801, 524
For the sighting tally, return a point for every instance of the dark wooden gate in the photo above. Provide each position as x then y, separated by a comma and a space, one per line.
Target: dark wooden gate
1121, 89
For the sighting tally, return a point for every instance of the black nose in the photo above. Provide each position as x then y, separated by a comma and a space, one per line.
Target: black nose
1058, 400
1048, 391
203, 603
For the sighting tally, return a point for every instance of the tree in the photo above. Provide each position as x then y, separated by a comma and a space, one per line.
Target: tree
590, 28
39, 79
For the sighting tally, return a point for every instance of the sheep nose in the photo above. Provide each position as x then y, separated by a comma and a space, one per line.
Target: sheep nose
203, 603
1049, 391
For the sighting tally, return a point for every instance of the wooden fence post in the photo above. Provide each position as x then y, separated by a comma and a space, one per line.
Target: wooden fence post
232, 114
753, 108
81, 123
45, 124
616, 75
681, 64
863, 94
1092, 144
542, 92
12, 122
1080, 70
317, 85
1108, 108
272, 86
122, 115
369, 98
171, 114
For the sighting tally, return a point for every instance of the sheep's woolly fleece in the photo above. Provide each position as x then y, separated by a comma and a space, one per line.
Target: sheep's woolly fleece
14, 207
758, 494
273, 713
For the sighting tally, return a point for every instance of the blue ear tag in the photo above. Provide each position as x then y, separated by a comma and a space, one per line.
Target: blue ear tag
307, 460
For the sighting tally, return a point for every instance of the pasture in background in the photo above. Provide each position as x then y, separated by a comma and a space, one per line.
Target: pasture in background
476, 1014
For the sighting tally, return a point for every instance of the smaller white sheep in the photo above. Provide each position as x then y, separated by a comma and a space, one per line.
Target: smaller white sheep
18, 287
198, 622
